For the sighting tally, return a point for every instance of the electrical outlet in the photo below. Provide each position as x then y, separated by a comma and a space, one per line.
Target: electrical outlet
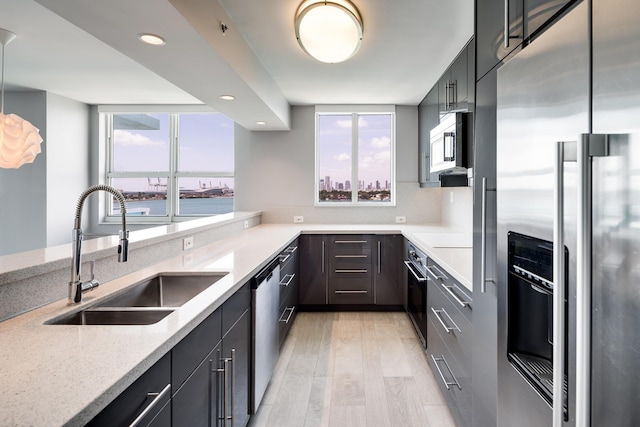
401, 219
298, 219
246, 225
187, 243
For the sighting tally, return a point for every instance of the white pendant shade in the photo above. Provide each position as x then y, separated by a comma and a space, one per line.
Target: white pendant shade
329, 31
19, 139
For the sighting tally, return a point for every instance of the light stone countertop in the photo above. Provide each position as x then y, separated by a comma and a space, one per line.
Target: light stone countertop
65, 374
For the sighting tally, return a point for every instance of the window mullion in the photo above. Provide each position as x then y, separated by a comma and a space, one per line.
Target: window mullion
172, 194
354, 158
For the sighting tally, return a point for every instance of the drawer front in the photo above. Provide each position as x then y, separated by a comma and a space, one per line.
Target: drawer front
454, 383
454, 291
235, 306
288, 311
351, 269
350, 291
453, 327
350, 243
288, 282
289, 259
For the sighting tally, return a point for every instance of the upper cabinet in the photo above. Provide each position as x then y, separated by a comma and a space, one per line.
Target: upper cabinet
455, 91
503, 26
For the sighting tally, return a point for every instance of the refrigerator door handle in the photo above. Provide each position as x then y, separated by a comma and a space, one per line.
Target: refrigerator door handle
561, 155
483, 238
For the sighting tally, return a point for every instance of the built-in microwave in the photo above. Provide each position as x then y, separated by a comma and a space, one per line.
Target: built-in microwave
450, 143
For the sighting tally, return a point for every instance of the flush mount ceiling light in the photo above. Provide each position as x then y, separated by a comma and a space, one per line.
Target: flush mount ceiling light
227, 97
329, 31
152, 39
19, 139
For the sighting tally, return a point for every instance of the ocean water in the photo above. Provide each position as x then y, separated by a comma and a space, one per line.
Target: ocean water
210, 206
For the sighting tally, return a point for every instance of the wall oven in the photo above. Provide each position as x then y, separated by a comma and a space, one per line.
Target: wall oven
416, 263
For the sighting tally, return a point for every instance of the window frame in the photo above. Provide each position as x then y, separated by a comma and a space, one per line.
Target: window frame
172, 175
355, 111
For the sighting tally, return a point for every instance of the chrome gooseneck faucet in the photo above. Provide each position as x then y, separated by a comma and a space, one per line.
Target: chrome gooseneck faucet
76, 286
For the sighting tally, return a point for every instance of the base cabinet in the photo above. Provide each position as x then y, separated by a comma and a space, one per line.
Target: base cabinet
313, 269
203, 381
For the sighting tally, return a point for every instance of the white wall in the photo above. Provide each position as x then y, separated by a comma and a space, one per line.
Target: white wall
457, 208
67, 164
275, 173
23, 191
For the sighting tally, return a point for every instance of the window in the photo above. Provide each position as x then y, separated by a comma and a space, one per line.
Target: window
355, 158
170, 165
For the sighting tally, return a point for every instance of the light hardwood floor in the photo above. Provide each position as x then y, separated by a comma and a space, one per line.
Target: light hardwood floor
352, 369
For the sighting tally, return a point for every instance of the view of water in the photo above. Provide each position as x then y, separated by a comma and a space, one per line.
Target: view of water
207, 206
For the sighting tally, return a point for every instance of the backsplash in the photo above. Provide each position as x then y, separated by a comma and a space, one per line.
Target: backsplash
457, 208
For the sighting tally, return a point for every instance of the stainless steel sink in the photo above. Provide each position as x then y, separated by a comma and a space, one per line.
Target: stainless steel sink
163, 290
144, 303
112, 316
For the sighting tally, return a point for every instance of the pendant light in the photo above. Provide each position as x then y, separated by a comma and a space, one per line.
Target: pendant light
19, 139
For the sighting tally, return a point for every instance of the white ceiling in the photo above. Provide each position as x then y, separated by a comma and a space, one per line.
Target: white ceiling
88, 51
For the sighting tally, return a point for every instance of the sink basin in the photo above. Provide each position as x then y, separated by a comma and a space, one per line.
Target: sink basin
112, 316
163, 290
146, 302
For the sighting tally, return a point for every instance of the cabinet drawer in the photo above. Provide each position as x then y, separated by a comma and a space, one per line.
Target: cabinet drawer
351, 268
446, 317
235, 306
287, 283
151, 391
454, 383
289, 259
454, 291
288, 310
350, 242
350, 291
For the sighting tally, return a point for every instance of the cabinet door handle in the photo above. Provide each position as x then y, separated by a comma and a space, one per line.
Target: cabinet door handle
291, 249
322, 263
350, 292
444, 325
506, 24
446, 383
483, 238
157, 398
350, 256
435, 275
351, 241
286, 257
290, 310
449, 290
233, 384
286, 280
363, 270
379, 258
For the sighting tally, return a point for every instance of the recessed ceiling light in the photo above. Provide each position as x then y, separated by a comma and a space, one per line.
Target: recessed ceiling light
227, 97
260, 122
152, 39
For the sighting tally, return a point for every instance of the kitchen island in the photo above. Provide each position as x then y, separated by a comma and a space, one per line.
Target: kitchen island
66, 374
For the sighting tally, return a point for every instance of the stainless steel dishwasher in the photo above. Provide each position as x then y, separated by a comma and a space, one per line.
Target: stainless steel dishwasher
266, 344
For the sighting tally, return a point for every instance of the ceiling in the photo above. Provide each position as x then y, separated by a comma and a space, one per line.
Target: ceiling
88, 51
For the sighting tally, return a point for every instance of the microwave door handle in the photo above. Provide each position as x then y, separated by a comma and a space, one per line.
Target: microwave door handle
449, 141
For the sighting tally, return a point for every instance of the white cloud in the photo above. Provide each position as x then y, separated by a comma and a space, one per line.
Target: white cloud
124, 137
381, 142
346, 124
362, 122
342, 157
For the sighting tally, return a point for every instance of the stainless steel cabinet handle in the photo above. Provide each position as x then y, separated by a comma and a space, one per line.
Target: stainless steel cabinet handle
350, 292
286, 280
363, 270
446, 383
351, 241
291, 249
379, 258
225, 389
446, 95
444, 325
233, 384
282, 261
483, 238
506, 24
411, 269
157, 398
322, 263
435, 276
290, 310
449, 290
350, 256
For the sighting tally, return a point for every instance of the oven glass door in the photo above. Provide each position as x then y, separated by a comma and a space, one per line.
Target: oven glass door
417, 301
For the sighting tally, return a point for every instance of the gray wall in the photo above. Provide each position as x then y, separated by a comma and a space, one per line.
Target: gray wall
275, 173
38, 198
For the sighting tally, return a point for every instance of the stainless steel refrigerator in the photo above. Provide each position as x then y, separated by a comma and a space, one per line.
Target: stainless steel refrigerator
568, 214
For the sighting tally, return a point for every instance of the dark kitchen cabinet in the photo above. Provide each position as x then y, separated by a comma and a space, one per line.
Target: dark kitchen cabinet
526, 18
350, 269
151, 393
236, 360
289, 288
387, 271
313, 269
453, 86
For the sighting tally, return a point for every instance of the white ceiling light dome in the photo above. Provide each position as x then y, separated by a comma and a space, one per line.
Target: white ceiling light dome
329, 31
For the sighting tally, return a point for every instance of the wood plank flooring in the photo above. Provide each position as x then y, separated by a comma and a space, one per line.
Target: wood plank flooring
352, 369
